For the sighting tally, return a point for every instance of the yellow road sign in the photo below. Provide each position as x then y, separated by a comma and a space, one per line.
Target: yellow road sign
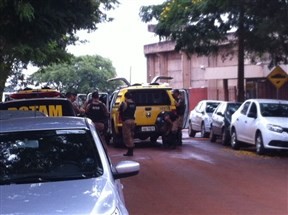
278, 77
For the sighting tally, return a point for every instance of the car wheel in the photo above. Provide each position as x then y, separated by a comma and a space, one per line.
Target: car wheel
234, 142
191, 132
153, 139
203, 132
212, 136
260, 150
108, 138
225, 137
117, 139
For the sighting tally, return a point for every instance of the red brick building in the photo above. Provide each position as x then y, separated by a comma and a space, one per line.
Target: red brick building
213, 76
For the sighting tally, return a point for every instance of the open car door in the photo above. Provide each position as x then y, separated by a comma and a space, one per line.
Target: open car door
185, 96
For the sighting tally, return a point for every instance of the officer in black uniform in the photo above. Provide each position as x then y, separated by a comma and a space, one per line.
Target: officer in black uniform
180, 110
98, 113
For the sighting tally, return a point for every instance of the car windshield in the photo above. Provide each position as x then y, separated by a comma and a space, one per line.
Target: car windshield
274, 109
231, 108
210, 107
39, 156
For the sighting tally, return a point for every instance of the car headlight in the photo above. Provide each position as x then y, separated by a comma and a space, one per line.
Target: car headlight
275, 128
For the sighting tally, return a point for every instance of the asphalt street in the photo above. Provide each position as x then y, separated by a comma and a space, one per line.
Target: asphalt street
204, 178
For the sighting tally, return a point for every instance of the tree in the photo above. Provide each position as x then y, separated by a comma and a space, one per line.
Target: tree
201, 26
83, 74
39, 31
15, 80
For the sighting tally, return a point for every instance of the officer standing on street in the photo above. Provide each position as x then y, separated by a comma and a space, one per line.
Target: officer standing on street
127, 111
180, 110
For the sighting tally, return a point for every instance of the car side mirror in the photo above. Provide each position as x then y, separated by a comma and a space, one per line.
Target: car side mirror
125, 169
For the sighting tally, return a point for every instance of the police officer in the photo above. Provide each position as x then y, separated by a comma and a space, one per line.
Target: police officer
180, 110
72, 98
164, 125
98, 113
126, 111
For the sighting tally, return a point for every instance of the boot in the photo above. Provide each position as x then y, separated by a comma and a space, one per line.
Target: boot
129, 152
173, 140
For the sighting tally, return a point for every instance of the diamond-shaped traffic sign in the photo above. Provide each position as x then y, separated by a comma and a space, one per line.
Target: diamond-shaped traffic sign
278, 77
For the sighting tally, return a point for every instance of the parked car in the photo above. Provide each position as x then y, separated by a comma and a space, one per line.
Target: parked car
52, 165
262, 123
200, 117
49, 106
220, 121
45, 100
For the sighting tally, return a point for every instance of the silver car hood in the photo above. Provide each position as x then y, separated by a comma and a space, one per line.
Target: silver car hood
85, 196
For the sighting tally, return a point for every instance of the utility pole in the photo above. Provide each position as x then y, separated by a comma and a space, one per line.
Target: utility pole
130, 74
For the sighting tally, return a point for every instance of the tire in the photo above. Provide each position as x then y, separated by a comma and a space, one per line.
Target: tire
191, 132
108, 138
212, 136
225, 137
260, 149
154, 138
204, 134
117, 139
234, 142
165, 140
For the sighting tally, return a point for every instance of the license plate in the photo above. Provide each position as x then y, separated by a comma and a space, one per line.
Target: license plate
148, 128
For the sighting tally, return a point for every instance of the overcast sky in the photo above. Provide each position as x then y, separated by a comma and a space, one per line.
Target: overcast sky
121, 40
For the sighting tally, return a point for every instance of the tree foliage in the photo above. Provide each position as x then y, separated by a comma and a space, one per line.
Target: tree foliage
201, 26
39, 31
83, 74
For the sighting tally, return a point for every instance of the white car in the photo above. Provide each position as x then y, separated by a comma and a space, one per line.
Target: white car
200, 117
261, 122
58, 165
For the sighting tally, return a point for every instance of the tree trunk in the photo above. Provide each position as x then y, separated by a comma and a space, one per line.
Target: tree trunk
240, 81
226, 90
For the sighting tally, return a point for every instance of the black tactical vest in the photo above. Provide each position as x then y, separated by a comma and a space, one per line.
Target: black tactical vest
129, 112
96, 112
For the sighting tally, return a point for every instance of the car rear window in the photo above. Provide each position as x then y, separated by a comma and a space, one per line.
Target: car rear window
233, 107
50, 107
151, 97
